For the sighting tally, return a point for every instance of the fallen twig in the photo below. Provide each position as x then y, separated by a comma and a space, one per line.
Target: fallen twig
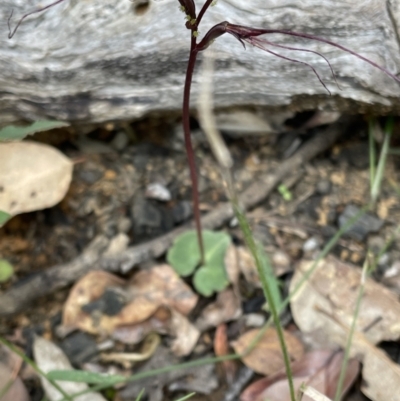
56, 277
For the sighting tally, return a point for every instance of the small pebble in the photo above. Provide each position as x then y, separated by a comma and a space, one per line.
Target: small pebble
311, 244
158, 191
366, 223
120, 141
182, 211
323, 187
124, 225
254, 319
117, 245
383, 260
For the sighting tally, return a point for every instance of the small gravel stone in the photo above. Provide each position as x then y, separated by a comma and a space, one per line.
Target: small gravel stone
79, 347
117, 245
158, 191
182, 211
323, 187
120, 141
254, 319
124, 225
366, 224
311, 244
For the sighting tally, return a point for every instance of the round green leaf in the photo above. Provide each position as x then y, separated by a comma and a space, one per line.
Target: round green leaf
209, 279
6, 270
184, 256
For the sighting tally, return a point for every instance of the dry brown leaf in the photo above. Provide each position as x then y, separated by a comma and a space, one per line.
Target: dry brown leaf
33, 176
232, 264
311, 394
381, 376
162, 285
333, 287
87, 289
319, 369
148, 291
16, 388
227, 307
221, 348
247, 266
266, 357
379, 309
133, 334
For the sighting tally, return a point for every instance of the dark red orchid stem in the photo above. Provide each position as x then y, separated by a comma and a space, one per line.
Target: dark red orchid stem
188, 143
202, 11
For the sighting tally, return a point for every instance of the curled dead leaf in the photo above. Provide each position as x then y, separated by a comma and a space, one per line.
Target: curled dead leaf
319, 369
333, 288
227, 307
33, 176
266, 357
151, 299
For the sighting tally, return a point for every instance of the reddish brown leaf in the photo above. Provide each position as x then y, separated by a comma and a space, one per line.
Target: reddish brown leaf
266, 357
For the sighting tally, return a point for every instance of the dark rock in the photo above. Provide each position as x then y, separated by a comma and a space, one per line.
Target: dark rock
366, 224
150, 218
253, 304
182, 211
357, 155
79, 347
90, 176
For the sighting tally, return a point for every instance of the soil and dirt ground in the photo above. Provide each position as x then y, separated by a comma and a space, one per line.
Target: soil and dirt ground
131, 182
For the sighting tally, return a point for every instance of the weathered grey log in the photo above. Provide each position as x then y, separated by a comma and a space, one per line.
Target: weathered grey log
92, 61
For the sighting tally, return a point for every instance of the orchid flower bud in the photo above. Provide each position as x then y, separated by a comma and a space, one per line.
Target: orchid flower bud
215, 32
189, 8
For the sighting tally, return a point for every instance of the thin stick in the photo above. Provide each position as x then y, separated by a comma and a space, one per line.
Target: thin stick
39, 10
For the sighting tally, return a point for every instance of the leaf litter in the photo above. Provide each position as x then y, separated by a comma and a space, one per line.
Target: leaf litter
91, 314
324, 308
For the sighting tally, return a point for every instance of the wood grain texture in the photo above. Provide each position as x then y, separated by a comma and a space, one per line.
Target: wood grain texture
90, 61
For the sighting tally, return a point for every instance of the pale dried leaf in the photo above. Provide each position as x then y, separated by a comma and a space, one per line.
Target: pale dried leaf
319, 369
333, 288
33, 176
87, 289
49, 357
380, 311
227, 307
16, 388
266, 358
381, 376
311, 394
133, 334
162, 285
150, 289
231, 261
186, 334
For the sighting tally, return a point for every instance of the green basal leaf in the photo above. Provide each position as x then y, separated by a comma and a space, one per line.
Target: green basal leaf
12, 133
184, 257
6, 270
209, 279
4, 217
